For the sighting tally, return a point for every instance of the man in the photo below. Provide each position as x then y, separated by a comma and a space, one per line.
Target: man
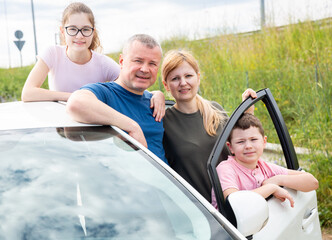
125, 103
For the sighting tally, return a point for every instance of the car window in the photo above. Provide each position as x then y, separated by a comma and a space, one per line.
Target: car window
73, 183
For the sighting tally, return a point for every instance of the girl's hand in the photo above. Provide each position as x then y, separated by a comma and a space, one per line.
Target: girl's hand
158, 103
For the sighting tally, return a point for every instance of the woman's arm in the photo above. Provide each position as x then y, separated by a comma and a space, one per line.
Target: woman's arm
158, 103
249, 93
32, 90
297, 180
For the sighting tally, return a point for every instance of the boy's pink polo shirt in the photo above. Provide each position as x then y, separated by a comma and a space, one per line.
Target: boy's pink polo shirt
233, 175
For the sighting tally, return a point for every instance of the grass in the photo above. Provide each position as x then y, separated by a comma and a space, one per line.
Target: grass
294, 62
12, 81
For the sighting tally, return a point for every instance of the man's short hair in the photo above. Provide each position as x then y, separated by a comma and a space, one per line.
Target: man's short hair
246, 121
145, 39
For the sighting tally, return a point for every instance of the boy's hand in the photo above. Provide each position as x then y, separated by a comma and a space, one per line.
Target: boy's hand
283, 194
158, 103
249, 93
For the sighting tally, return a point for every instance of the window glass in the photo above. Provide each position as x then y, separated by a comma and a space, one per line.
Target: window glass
73, 183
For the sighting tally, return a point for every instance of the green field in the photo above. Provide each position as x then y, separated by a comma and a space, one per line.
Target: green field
294, 62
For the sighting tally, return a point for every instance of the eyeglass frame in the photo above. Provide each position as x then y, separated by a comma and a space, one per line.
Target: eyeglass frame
79, 30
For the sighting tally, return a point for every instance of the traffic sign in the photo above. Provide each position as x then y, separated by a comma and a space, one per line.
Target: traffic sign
19, 44
18, 34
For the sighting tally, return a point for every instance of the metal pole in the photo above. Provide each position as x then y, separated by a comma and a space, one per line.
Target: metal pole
21, 58
34, 29
262, 14
9, 60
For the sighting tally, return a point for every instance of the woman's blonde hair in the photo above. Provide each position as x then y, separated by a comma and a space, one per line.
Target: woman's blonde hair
78, 7
212, 116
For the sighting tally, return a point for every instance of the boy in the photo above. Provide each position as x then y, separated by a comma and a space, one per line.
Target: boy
246, 171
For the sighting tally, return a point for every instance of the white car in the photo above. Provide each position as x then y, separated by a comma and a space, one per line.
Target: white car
61, 179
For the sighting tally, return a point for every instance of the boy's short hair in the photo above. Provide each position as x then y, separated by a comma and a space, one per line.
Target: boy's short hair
246, 121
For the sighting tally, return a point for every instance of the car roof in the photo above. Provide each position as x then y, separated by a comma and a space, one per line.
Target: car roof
22, 115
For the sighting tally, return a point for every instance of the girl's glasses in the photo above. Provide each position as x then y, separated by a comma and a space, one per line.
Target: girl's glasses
73, 31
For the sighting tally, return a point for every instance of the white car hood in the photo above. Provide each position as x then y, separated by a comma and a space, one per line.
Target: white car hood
20, 115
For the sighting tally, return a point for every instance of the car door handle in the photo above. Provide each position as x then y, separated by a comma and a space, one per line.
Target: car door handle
309, 218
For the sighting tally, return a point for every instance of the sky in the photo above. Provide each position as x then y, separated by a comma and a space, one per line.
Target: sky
117, 20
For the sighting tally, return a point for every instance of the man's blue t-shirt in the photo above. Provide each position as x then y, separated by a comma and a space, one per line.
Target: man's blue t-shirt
137, 107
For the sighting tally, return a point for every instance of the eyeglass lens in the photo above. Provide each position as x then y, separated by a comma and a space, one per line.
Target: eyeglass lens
73, 31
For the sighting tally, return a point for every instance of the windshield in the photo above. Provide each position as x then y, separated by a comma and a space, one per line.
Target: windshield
88, 183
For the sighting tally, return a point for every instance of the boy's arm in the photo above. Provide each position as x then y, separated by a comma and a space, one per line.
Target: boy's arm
278, 192
297, 180
84, 106
266, 191
158, 103
229, 191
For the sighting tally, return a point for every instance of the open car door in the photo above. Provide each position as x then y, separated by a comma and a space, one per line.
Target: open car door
267, 219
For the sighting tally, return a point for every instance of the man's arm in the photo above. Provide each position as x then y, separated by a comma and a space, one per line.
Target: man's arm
83, 106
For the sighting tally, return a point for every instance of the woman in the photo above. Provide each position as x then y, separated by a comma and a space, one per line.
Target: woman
193, 124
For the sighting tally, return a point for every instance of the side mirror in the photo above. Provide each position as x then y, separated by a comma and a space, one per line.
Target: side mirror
250, 210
